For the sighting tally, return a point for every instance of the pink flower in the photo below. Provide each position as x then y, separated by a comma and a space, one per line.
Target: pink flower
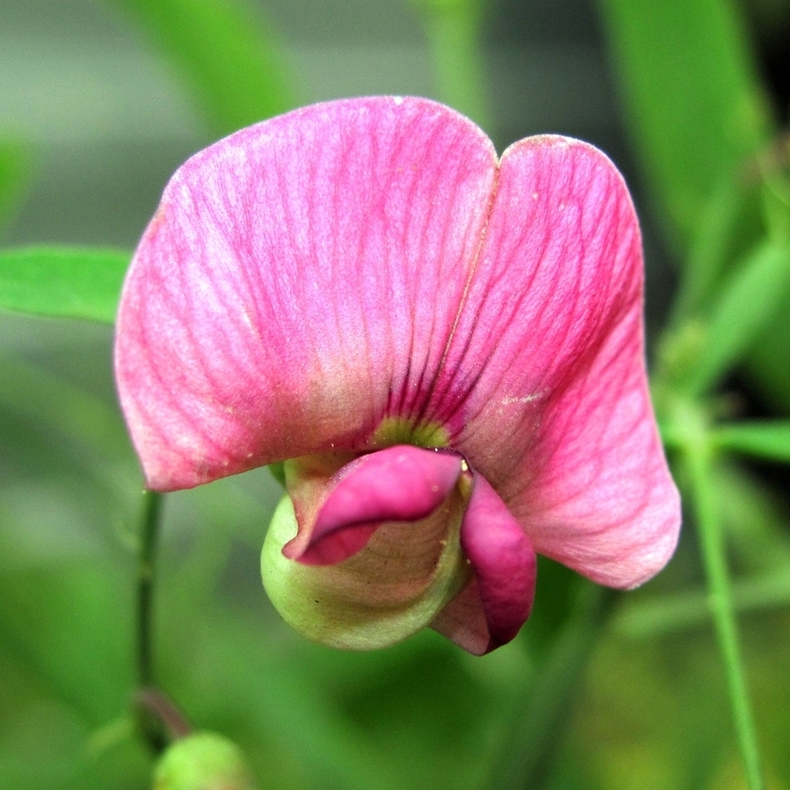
444, 347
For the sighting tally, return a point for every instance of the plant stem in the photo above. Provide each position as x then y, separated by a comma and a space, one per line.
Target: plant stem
698, 459
152, 505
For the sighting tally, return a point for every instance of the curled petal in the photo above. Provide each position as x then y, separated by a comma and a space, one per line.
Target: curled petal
392, 588
492, 609
401, 483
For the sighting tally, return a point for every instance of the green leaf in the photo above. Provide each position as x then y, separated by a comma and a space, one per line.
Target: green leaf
67, 414
64, 282
656, 616
224, 51
454, 31
692, 97
769, 360
762, 439
747, 302
67, 623
14, 174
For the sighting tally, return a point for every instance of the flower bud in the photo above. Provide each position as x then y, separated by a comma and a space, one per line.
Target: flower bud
203, 761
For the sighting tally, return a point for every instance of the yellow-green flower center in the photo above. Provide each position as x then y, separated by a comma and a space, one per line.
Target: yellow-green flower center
401, 430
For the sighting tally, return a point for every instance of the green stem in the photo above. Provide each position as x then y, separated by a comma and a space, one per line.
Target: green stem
698, 459
152, 506
526, 758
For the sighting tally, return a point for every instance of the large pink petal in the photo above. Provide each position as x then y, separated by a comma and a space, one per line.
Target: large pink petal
401, 483
546, 368
299, 283
503, 561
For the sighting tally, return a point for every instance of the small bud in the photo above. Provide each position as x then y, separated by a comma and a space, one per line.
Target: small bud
203, 761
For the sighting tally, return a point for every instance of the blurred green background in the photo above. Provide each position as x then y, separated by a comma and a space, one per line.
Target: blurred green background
97, 111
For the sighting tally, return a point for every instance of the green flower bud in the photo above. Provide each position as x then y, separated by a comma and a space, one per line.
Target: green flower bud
203, 761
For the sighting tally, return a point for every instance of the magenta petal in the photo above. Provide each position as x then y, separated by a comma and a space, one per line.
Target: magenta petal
503, 561
549, 350
492, 609
401, 483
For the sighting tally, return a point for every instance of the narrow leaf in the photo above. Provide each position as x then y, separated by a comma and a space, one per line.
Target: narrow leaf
656, 616
748, 301
692, 97
707, 256
454, 32
63, 282
762, 439
225, 53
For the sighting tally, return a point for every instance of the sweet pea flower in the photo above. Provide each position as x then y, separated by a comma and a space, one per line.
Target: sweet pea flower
443, 348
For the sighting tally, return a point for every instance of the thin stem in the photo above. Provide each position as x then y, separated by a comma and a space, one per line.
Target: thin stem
698, 460
149, 530
526, 758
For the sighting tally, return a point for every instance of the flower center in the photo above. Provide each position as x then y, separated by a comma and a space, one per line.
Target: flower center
402, 430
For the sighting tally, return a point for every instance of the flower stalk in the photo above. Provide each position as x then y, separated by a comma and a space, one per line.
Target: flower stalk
152, 504
698, 457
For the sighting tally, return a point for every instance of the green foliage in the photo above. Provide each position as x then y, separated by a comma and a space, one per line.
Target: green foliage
226, 54
453, 28
747, 303
701, 124
692, 97
63, 282
14, 175
769, 439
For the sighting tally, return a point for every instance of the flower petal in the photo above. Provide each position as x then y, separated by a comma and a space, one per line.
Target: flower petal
504, 566
547, 367
401, 483
298, 284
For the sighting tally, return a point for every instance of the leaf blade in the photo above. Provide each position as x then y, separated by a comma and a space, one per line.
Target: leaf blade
692, 96
63, 282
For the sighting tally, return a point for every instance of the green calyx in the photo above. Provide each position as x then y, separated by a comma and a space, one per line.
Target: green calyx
399, 430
